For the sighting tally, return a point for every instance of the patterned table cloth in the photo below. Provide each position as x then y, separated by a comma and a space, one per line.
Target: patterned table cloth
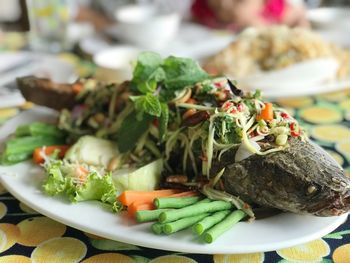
26, 236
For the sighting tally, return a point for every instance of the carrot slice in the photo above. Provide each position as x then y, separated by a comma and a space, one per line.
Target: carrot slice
128, 197
267, 113
136, 206
77, 87
37, 154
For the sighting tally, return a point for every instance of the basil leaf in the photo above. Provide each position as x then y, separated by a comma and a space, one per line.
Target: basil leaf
131, 130
163, 121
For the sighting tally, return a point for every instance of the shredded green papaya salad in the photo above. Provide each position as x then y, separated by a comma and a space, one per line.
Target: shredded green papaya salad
165, 128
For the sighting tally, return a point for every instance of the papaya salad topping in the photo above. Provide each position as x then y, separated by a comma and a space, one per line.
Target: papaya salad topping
171, 107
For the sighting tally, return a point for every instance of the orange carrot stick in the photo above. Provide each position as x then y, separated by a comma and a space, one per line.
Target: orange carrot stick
136, 206
37, 154
267, 113
128, 197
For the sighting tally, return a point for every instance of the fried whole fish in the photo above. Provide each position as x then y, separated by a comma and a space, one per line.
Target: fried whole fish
301, 179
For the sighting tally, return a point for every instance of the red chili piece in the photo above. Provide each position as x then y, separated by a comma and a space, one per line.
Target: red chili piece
240, 107
295, 130
284, 115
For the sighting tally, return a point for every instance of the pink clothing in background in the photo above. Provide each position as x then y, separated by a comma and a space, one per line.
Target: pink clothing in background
272, 13
273, 10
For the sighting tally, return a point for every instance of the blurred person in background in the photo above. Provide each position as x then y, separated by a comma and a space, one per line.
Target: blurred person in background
226, 14
237, 14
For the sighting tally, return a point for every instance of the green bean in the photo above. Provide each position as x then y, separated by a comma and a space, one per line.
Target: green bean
183, 223
29, 143
8, 159
192, 210
148, 215
209, 221
157, 228
39, 129
175, 202
224, 225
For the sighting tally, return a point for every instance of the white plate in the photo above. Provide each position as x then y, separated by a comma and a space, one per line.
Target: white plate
310, 77
284, 230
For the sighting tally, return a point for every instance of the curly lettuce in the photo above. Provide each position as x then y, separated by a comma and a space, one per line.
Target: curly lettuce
79, 183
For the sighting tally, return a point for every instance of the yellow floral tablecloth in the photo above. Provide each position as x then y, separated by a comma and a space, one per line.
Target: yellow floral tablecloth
26, 236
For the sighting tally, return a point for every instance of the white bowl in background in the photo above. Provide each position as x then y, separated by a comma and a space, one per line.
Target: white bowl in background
143, 26
337, 18
117, 60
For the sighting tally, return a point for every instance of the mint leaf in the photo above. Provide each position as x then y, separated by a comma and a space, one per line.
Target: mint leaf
163, 121
147, 86
181, 72
148, 72
147, 103
131, 130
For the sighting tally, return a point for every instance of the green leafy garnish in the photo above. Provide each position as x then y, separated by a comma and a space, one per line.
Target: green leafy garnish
148, 72
156, 82
182, 72
131, 130
64, 177
147, 104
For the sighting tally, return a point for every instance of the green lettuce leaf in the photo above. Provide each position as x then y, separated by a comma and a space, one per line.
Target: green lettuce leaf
62, 178
56, 182
96, 187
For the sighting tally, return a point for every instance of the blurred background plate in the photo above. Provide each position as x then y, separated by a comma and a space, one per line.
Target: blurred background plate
333, 23
18, 64
309, 77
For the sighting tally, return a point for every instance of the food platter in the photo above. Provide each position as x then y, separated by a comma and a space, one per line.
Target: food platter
280, 231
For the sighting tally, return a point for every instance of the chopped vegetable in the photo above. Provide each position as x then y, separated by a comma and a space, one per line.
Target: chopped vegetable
209, 221
78, 87
93, 151
21, 148
39, 129
157, 228
145, 178
220, 228
175, 202
78, 182
128, 197
40, 152
193, 210
172, 227
138, 206
29, 143
148, 215
266, 113
9, 159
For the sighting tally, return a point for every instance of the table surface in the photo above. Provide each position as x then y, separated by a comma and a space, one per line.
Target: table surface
26, 236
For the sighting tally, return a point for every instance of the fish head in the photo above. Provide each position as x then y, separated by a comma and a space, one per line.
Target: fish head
302, 179
326, 185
